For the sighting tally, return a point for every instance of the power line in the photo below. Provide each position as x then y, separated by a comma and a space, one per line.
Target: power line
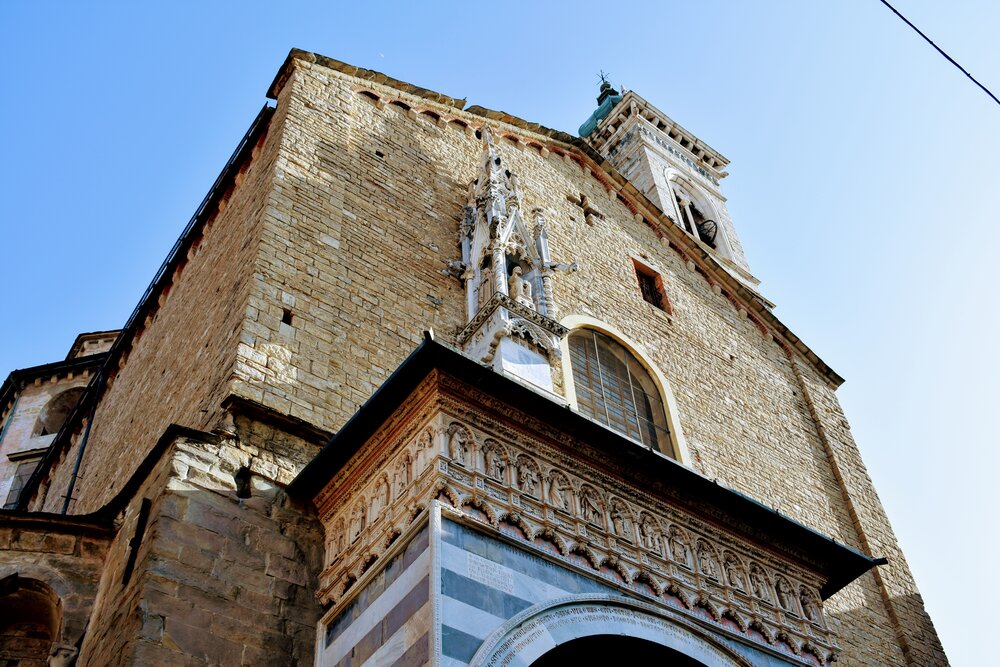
941, 51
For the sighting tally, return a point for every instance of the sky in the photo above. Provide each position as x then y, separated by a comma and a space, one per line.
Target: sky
862, 166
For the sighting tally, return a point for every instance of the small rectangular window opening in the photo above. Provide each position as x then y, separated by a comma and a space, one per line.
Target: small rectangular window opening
651, 287
286, 316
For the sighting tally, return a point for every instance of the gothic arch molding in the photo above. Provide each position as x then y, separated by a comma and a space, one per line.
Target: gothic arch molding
573, 322
536, 630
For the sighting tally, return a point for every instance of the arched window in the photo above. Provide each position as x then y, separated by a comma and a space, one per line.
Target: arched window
57, 410
614, 388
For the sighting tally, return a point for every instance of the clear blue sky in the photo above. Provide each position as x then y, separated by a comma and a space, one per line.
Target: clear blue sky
862, 166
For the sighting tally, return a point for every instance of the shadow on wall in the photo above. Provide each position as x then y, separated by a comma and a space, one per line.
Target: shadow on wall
376, 245
213, 564
878, 638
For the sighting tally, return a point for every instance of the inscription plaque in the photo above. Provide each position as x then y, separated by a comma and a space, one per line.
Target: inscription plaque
490, 573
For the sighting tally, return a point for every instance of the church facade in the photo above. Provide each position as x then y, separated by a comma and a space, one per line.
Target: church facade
426, 383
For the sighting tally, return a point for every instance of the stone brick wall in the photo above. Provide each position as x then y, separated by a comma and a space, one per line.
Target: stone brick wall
365, 213
218, 580
178, 370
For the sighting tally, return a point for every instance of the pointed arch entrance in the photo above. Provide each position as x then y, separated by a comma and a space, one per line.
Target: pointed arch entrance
592, 625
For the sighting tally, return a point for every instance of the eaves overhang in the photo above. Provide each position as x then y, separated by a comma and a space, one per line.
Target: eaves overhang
837, 563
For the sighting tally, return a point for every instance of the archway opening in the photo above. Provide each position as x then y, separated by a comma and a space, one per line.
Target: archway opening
602, 650
57, 410
29, 621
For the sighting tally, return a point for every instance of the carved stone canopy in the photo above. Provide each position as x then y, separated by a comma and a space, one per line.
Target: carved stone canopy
507, 272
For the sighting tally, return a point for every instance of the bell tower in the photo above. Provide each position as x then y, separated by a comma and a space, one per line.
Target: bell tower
674, 169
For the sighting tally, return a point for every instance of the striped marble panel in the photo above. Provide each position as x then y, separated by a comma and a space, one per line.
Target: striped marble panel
388, 622
485, 581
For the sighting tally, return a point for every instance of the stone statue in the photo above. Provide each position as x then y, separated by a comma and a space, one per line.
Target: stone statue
458, 446
706, 562
678, 549
591, 511
784, 594
649, 534
559, 492
519, 289
809, 607
759, 585
527, 477
734, 572
357, 522
380, 500
619, 522
495, 466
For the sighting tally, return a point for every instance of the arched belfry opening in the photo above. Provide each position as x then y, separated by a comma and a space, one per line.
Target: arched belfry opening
602, 650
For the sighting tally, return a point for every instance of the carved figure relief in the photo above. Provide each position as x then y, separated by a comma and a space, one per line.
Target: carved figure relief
459, 444
380, 500
810, 608
785, 594
707, 563
679, 550
759, 584
380, 505
734, 573
649, 533
560, 492
527, 476
425, 450
495, 461
335, 545
591, 507
403, 475
621, 520
358, 521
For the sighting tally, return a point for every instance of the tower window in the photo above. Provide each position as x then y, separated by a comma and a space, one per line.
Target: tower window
613, 388
694, 218
651, 286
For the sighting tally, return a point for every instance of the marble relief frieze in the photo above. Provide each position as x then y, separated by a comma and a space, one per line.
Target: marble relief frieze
539, 492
